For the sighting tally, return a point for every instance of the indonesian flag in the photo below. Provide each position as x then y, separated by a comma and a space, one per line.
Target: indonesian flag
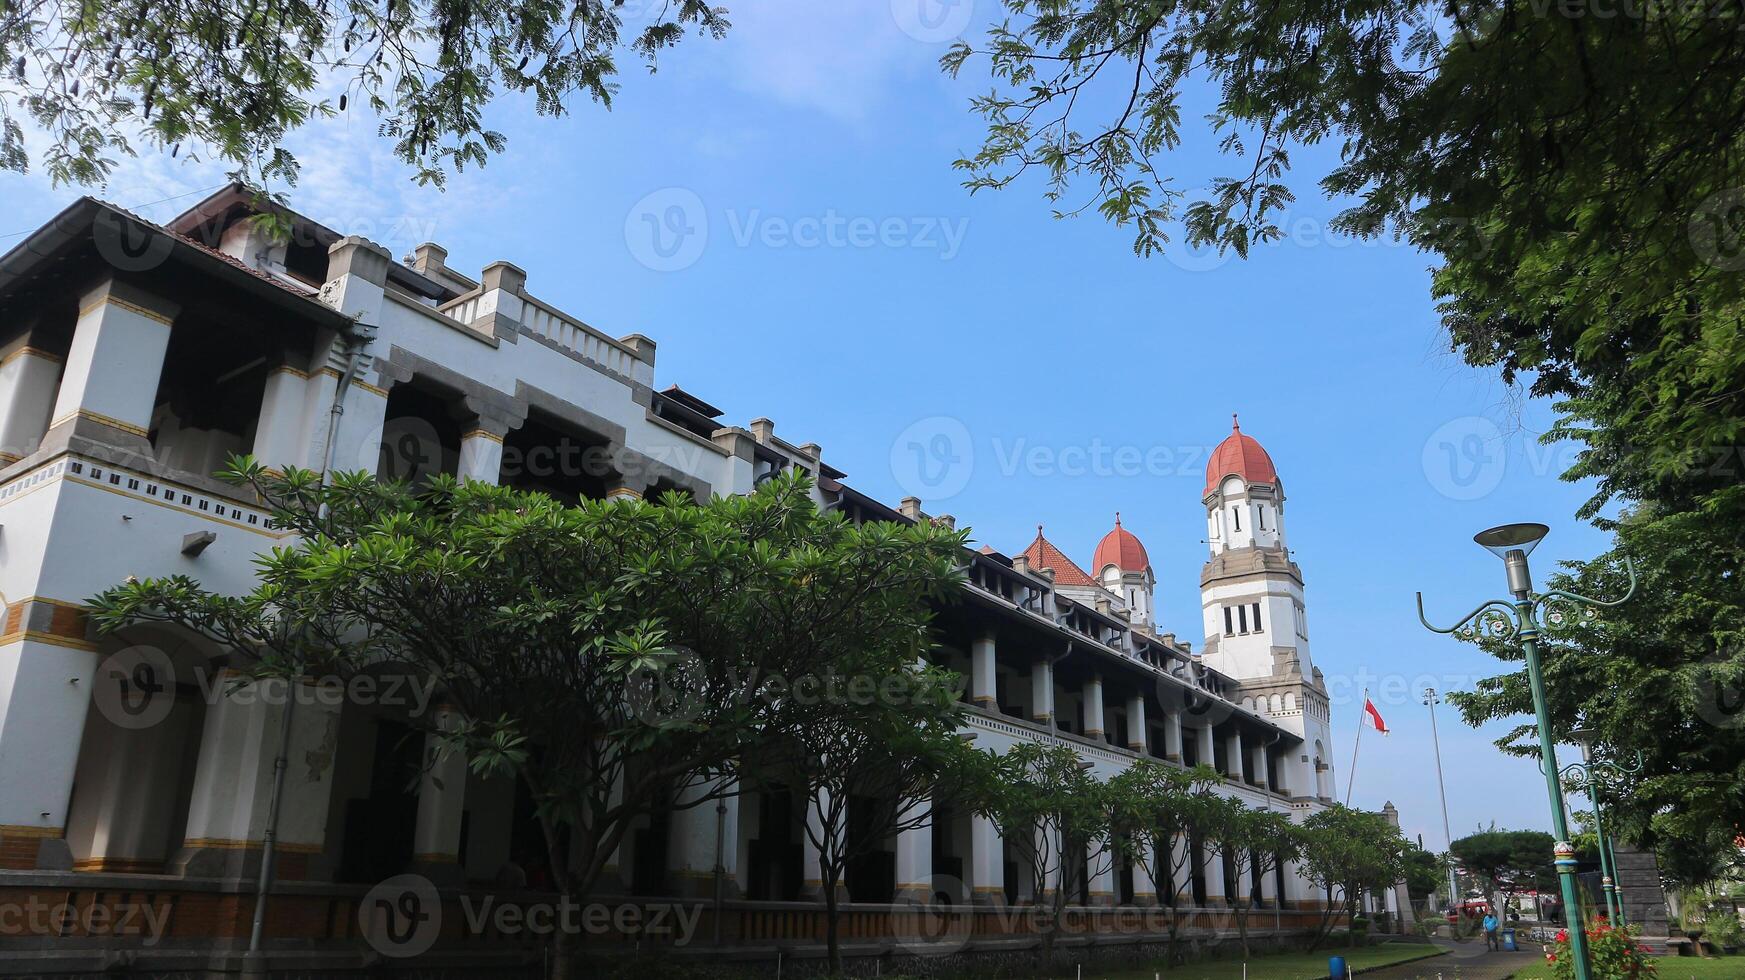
1373, 716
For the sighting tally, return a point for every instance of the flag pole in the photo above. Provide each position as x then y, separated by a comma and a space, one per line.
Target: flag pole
1351, 777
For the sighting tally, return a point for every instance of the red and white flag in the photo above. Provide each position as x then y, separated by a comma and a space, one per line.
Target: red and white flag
1373, 716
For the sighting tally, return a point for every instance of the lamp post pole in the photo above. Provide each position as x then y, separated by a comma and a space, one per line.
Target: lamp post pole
1518, 617
1588, 768
1430, 701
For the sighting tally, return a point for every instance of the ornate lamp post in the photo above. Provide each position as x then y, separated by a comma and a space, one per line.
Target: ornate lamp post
1519, 617
1588, 769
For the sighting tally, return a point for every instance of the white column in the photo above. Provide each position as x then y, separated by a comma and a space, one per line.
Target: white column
1181, 871
1172, 735
1092, 696
1052, 860
45, 691
915, 863
1102, 883
233, 777
279, 437
987, 860
1138, 733
1144, 890
702, 836
481, 456
1269, 888
127, 779
117, 354
1233, 755
1212, 860
1257, 761
1208, 756
984, 686
1042, 691
442, 789
28, 379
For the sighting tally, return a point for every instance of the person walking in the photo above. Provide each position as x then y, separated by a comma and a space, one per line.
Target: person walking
1490, 931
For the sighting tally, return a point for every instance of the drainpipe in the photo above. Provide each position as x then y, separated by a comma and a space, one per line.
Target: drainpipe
254, 962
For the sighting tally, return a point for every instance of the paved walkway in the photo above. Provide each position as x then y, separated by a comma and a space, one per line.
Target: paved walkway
1464, 961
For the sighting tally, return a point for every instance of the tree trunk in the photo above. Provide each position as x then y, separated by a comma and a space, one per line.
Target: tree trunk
832, 942
1241, 912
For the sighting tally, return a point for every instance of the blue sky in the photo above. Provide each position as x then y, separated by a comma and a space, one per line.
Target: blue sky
833, 275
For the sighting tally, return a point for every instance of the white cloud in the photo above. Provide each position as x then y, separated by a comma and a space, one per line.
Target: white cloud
839, 57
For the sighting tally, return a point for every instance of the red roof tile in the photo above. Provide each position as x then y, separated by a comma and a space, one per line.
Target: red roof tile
1043, 554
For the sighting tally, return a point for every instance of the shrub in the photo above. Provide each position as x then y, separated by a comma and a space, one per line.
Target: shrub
1615, 953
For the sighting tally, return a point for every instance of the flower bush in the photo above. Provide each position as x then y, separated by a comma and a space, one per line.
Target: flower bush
1615, 954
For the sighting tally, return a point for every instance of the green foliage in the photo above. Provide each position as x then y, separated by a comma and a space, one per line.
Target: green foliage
1426, 872
228, 81
1511, 860
890, 741
1347, 852
610, 656
1058, 819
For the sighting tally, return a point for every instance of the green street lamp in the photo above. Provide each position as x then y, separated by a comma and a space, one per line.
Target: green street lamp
1519, 617
1588, 768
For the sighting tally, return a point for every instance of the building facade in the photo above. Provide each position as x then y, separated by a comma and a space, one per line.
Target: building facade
135, 357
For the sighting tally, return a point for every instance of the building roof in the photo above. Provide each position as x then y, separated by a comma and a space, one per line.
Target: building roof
132, 244
1043, 554
1239, 455
1122, 550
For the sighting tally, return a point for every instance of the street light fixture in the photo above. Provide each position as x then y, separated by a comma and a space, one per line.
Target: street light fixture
1501, 619
1588, 768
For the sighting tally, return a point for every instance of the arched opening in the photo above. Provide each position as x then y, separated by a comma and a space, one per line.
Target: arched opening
135, 775
421, 435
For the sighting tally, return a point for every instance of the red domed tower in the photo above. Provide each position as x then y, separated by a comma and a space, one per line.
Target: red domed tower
1122, 566
1251, 591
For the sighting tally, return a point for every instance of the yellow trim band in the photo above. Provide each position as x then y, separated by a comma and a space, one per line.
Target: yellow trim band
104, 419
151, 315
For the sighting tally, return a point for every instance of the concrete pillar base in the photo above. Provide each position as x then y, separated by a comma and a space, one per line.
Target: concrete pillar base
989, 898
700, 885
239, 859
813, 891
442, 870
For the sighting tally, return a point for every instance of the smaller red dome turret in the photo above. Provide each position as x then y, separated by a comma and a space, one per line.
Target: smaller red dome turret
1122, 550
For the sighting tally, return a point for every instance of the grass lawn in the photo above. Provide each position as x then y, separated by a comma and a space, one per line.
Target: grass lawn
1283, 966
1671, 968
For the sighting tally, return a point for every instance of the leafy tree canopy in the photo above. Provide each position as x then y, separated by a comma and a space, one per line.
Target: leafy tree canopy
611, 657
1511, 860
228, 81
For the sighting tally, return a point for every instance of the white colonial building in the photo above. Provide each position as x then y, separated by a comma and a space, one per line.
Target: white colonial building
134, 357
